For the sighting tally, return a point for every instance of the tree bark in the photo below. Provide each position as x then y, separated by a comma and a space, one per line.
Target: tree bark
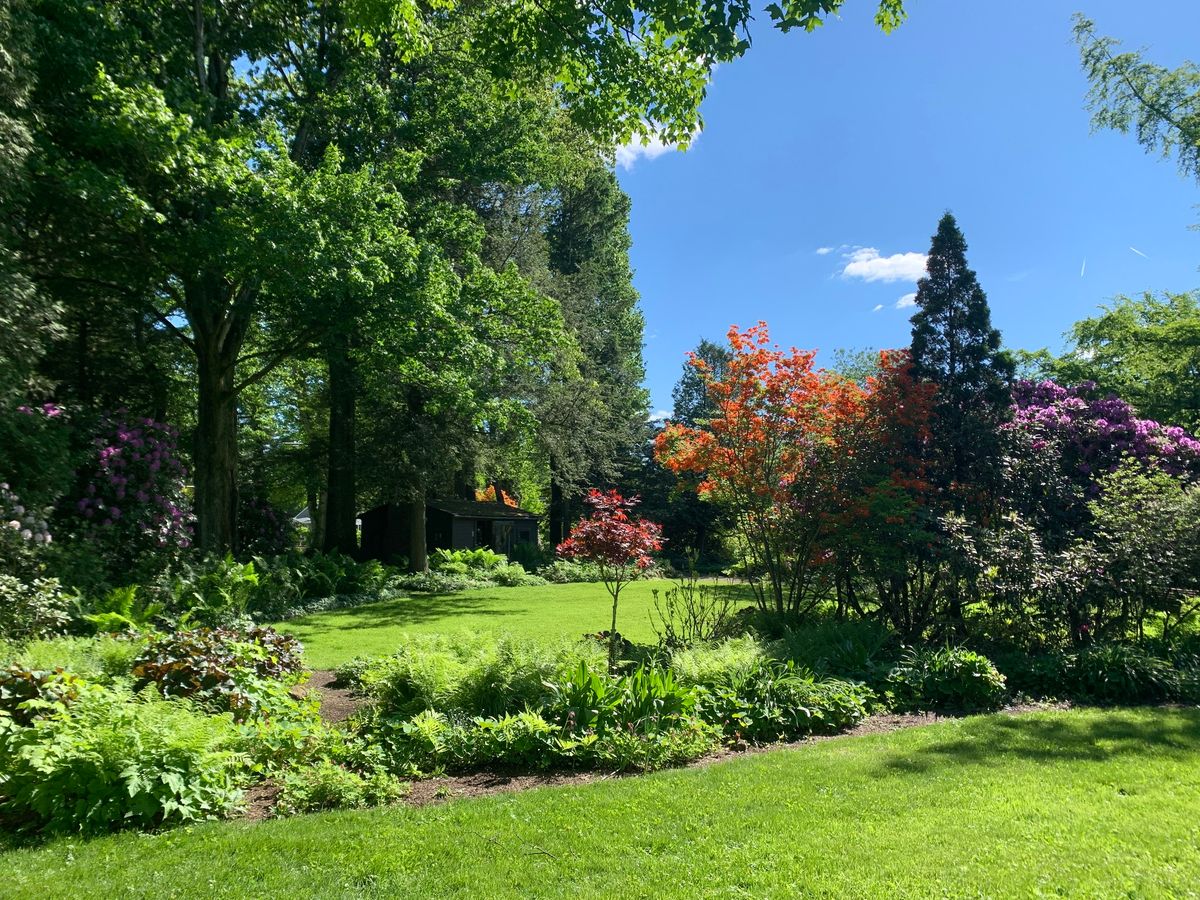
418, 556
215, 447
557, 522
341, 509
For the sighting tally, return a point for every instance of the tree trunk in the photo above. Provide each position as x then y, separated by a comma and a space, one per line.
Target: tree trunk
558, 503
215, 448
418, 557
341, 508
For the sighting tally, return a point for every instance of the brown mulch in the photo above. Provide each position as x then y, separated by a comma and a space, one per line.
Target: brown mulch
337, 703
260, 801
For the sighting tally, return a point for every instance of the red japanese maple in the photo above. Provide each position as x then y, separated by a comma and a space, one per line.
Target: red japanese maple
617, 543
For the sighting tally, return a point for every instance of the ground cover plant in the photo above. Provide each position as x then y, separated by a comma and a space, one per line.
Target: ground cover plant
1079, 803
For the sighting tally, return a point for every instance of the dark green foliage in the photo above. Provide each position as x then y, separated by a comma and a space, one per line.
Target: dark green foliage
33, 609
856, 648
773, 701
949, 678
287, 582
955, 347
569, 571
644, 701
218, 665
122, 609
113, 760
27, 694
212, 591
1105, 674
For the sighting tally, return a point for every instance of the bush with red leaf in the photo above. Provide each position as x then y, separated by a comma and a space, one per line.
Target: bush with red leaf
617, 543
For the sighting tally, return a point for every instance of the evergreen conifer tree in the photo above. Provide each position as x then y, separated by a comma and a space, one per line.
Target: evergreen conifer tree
955, 346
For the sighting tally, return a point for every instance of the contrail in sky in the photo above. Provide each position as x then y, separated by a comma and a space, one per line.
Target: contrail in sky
1083, 268
1139, 252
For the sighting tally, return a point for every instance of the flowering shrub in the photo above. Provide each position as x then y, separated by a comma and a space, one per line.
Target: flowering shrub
22, 531
1093, 432
35, 457
133, 492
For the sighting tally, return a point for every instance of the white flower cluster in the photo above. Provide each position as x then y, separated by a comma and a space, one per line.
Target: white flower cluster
28, 524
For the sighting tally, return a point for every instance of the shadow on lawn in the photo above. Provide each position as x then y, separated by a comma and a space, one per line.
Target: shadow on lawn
1065, 738
412, 610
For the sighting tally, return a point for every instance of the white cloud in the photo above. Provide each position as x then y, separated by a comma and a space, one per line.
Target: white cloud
907, 300
878, 307
629, 153
867, 264
659, 415
823, 251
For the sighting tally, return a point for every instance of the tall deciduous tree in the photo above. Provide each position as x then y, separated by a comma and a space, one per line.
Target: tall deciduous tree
1144, 349
1128, 93
955, 347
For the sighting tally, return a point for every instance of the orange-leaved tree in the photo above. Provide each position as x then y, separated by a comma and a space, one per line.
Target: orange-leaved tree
778, 454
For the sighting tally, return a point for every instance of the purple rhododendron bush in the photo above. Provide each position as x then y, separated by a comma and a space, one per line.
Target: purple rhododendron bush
1094, 431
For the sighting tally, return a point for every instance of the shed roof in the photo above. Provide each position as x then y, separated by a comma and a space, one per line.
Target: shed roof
475, 509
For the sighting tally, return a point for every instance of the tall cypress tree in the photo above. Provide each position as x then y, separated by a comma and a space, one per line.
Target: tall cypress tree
955, 346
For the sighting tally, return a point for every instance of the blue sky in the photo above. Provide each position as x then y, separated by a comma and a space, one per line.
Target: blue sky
848, 138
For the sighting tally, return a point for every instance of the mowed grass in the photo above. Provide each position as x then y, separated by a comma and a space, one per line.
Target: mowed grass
545, 612
1083, 804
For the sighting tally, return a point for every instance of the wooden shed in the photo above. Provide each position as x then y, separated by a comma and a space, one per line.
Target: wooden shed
449, 524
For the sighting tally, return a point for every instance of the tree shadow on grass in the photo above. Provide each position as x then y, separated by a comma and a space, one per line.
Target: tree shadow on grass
403, 611
1061, 738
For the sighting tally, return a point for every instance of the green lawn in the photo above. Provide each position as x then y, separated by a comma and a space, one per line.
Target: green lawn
1085, 804
549, 611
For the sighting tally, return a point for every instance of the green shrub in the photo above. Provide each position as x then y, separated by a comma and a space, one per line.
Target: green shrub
1104, 674
461, 561
522, 740
777, 701
439, 582
211, 592
588, 699
514, 575
33, 609
122, 610
718, 663
96, 658
1121, 673
26, 694
112, 760
566, 571
849, 649
686, 740
947, 678
431, 742
219, 666
467, 674
327, 785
